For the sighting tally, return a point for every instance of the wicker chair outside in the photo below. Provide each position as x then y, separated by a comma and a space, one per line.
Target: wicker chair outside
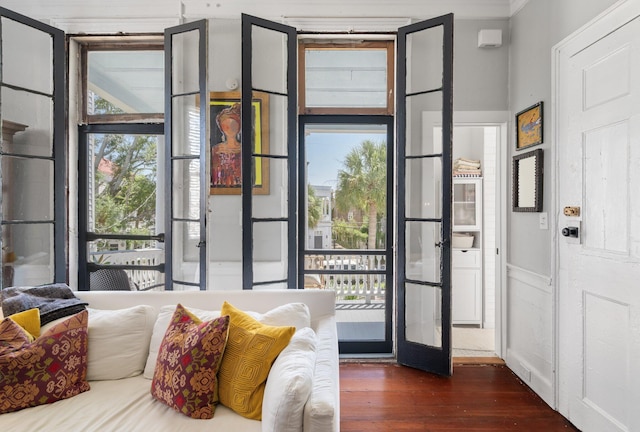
110, 280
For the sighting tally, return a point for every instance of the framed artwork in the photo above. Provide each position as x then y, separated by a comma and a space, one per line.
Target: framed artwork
529, 127
226, 143
527, 181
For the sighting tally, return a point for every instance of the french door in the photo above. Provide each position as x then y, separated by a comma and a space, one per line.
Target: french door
269, 225
270, 221
425, 83
32, 153
423, 178
187, 156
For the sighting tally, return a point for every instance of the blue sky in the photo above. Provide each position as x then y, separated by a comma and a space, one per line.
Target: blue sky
325, 152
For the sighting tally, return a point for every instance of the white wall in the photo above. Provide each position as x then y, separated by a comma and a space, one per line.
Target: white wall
491, 137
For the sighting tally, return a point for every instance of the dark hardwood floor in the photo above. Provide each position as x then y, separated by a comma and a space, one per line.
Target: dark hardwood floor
389, 397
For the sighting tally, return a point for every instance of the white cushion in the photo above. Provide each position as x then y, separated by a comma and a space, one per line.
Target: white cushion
160, 328
289, 384
290, 314
118, 342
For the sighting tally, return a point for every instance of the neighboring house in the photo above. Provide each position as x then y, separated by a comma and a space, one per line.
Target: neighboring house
503, 79
319, 237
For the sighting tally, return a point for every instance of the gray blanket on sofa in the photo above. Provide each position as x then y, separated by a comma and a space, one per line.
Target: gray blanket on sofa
54, 301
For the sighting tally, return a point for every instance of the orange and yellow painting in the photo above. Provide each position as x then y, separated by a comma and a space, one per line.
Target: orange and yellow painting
226, 143
529, 126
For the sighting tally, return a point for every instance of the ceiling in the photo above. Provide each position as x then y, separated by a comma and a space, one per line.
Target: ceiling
90, 10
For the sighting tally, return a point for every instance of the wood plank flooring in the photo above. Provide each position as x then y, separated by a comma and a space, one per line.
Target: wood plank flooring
487, 398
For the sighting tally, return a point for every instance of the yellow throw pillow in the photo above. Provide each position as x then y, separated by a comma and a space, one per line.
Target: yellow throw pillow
251, 349
29, 320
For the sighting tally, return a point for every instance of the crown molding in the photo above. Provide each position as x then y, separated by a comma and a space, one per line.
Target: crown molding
78, 10
417, 9
516, 5
343, 24
113, 25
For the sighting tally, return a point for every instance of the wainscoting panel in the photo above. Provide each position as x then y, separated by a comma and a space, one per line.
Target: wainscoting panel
530, 330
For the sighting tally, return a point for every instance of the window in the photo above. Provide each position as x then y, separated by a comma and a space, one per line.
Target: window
122, 79
121, 148
346, 77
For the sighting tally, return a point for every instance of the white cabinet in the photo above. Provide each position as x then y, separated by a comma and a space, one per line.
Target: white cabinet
466, 259
467, 204
466, 281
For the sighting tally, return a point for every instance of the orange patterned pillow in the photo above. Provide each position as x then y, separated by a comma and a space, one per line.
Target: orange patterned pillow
52, 368
188, 361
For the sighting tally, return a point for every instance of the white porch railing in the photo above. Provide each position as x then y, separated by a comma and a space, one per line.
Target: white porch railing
351, 287
142, 278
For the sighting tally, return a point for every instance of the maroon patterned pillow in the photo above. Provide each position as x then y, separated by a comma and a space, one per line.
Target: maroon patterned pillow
188, 361
52, 368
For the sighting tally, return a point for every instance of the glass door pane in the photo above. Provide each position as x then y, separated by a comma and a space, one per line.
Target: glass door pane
123, 218
187, 155
465, 205
269, 197
32, 153
424, 194
347, 218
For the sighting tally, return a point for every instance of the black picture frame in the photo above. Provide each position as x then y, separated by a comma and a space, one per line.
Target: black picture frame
527, 181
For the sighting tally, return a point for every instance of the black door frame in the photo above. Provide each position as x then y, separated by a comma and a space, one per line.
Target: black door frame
202, 96
248, 163
84, 236
58, 155
410, 353
365, 346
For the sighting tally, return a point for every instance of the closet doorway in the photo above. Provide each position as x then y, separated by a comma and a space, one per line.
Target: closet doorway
480, 173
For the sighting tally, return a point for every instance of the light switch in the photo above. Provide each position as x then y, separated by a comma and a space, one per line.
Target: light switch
544, 221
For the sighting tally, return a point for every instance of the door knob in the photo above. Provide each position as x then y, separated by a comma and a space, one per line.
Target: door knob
570, 232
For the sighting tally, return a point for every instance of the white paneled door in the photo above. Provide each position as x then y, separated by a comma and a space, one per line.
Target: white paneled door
598, 175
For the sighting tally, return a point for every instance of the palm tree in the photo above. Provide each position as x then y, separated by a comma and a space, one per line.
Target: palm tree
362, 184
314, 207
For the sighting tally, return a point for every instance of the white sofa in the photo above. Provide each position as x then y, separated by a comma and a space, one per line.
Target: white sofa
127, 405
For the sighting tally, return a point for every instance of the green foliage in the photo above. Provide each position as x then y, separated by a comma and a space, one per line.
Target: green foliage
103, 106
362, 184
125, 182
349, 235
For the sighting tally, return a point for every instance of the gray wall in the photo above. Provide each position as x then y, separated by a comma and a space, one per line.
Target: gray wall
480, 74
529, 335
535, 29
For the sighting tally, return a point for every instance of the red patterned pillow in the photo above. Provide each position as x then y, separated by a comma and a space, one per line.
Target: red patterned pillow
12, 337
52, 368
188, 361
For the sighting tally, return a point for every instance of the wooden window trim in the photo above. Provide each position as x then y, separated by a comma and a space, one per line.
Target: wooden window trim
386, 44
118, 43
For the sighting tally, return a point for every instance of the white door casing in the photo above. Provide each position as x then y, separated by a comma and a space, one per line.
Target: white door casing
598, 169
499, 120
